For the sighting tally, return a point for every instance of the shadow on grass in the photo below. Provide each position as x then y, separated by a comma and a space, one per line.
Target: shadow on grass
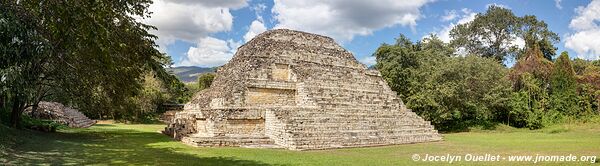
106, 145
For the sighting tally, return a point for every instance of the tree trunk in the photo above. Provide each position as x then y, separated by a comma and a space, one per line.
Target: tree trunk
2, 105
17, 111
2, 101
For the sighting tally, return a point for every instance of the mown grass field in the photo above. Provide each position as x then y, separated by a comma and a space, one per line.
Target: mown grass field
122, 144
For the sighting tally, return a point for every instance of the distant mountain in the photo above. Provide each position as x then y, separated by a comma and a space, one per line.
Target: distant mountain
189, 73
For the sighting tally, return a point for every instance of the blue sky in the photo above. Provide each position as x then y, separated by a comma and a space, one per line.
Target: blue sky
206, 33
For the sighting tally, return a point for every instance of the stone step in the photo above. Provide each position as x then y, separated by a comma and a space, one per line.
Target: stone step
326, 143
342, 120
358, 132
425, 136
227, 141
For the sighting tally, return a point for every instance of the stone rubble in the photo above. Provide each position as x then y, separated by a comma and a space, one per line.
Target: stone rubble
298, 91
61, 114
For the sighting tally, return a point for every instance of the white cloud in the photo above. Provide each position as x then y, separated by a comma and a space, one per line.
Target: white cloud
258, 10
587, 17
344, 19
368, 60
587, 31
444, 33
519, 42
256, 28
557, 4
449, 15
210, 52
190, 20
235, 4
585, 43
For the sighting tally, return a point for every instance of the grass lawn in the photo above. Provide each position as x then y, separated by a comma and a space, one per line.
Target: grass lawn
108, 144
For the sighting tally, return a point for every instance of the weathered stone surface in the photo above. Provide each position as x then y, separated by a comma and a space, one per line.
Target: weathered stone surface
61, 114
169, 114
298, 91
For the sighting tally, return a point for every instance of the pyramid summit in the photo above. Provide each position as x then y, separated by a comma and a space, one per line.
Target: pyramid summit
298, 91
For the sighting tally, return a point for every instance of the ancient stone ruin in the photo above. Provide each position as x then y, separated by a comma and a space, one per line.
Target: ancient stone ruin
59, 113
298, 91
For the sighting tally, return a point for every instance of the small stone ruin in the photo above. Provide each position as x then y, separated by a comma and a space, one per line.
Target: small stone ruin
61, 114
298, 91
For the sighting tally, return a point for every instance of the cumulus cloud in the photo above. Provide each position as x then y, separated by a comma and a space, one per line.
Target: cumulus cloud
210, 52
449, 15
466, 16
194, 21
344, 19
584, 40
256, 28
368, 60
258, 10
214, 3
190, 20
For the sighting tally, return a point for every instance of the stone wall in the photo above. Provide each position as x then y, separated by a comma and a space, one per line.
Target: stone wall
270, 96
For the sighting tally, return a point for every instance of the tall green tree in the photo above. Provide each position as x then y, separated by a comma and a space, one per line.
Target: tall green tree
535, 32
530, 101
564, 96
493, 34
490, 34
396, 62
88, 54
25, 52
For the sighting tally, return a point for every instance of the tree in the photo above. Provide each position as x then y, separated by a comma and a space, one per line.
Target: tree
529, 103
564, 97
493, 34
488, 35
24, 52
588, 77
395, 63
88, 54
452, 92
536, 32
533, 63
205, 80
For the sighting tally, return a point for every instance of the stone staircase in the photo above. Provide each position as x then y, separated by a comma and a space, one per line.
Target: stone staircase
62, 114
319, 129
77, 119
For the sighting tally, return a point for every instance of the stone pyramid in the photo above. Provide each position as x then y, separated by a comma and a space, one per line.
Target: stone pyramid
298, 91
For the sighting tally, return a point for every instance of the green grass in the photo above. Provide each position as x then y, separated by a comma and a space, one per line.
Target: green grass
121, 144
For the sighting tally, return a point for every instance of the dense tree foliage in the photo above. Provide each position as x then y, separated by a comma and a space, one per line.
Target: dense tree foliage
529, 77
563, 90
452, 92
494, 34
205, 80
531, 62
92, 55
456, 92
